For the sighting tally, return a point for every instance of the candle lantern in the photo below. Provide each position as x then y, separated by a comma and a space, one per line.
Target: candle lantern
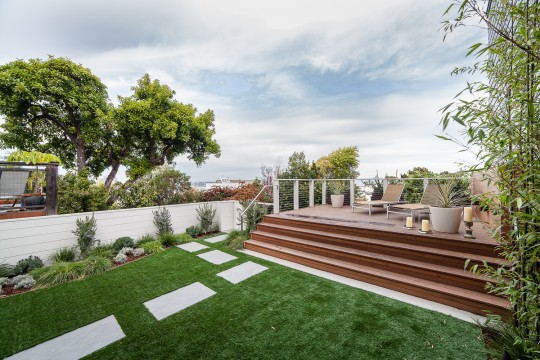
409, 223
426, 228
468, 221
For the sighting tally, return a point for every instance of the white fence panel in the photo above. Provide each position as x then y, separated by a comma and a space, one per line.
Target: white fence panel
41, 236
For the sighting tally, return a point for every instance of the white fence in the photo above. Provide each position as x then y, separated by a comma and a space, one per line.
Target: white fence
41, 236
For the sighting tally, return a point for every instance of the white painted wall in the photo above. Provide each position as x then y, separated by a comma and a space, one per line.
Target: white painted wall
41, 236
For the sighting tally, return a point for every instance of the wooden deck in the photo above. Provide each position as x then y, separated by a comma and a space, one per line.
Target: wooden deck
380, 251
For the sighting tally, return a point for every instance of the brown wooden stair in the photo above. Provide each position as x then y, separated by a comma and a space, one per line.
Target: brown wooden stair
419, 265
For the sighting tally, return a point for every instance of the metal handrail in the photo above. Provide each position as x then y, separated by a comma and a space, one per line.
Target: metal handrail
250, 204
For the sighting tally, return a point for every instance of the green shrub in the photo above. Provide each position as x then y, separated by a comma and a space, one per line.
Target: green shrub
253, 215
26, 265
78, 193
5, 270
96, 265
152, 247
168, 239
195, 231
86, 234
205, 216
59, 273
162, 221
236, 238
63, 254
145, 238
106, 251
184, 238
120, 258
122, 242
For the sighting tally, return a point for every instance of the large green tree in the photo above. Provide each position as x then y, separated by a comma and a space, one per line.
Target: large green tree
53, 106
155, 128
340, 164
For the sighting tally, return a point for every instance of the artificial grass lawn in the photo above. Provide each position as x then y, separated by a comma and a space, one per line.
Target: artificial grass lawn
278, 314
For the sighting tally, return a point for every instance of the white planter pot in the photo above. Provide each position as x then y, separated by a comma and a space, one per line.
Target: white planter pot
445, 220
337, 200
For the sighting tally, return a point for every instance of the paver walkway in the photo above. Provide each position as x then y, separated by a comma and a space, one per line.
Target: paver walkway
192, 246
216, 257
173, 302
216, 239
242, 272
77, 343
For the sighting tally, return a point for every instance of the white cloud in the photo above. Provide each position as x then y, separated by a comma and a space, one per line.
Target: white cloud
281, 76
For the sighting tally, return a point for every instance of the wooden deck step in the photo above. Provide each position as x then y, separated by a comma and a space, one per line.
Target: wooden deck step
472, 301
414, 252
428, 271
438, 241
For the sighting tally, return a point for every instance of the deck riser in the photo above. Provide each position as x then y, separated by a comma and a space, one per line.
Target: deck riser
457, 302
443, 278
432, 258
470, 247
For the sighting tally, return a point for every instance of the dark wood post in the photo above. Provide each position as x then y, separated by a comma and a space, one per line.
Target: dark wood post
51, 189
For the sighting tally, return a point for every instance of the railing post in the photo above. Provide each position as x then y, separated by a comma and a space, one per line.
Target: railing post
275, 192
384, 185
351, 182
426, 182
296, 195
311, 193
51, 189
323, 202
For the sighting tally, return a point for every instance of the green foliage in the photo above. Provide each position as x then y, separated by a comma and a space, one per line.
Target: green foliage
122, 242
184, 238
194, 231
253, 215
162, 221
36, 181
24, 266
163, 186
299, 168
53, 106
340, 164
65, 254
78, 193
448, 194
96, 265
5, 270
152, 247
144, 239
336, 187
86, 234
161, 128
106, 251
169, 239
59, 273
499, 117
235, 239
205, 215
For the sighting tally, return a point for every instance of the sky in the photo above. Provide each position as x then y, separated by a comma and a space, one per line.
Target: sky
281, 76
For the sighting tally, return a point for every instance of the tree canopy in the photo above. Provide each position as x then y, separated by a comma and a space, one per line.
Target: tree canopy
53, 106
155, 128
340, 164
59, 107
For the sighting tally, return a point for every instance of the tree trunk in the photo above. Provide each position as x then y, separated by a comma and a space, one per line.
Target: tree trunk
112, 174
81, 154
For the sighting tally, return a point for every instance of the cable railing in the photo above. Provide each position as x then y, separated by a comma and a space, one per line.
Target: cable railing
294, 194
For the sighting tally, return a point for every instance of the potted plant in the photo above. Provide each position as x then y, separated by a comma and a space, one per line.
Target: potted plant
337, 187
447, 206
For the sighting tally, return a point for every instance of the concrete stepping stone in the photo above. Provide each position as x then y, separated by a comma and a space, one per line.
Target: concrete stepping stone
216, 239
77, 343
177, 300
216, 257
192, 246
242, 272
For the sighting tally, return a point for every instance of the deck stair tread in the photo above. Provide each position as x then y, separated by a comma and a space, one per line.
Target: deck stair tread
389, 244
427, 286
380, 257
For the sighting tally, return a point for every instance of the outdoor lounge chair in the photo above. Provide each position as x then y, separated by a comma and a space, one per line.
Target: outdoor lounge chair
392, 195
426, 200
